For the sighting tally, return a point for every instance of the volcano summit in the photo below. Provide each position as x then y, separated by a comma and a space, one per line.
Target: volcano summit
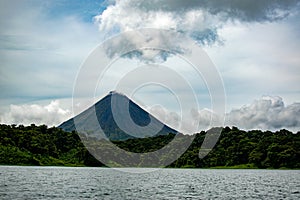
116, 117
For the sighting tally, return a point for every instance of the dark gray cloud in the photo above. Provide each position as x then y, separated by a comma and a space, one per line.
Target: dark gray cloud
243, 10
197, 19
251, 11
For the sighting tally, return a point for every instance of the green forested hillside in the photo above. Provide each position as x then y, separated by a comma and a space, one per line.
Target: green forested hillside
40, 145
254, 148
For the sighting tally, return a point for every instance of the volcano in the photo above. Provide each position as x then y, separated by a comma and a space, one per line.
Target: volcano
116, 117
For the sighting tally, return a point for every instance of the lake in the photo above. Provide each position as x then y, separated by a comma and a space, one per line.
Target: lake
103, 183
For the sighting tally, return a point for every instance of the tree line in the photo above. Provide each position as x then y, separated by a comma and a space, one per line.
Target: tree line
42, 145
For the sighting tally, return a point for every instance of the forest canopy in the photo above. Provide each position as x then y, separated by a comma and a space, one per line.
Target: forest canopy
42, 145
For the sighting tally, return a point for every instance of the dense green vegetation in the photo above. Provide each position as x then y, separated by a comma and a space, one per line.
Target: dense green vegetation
246, 149
40, 145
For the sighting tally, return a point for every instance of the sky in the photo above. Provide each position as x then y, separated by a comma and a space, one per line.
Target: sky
253, 45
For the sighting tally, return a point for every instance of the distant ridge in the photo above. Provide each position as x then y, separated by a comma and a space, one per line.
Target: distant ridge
108, 110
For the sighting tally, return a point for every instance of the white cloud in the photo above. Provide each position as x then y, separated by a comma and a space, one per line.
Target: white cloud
51, 114
195, 121
40, 55
199, 20
267, 113
259, 59
167, 117
129, 15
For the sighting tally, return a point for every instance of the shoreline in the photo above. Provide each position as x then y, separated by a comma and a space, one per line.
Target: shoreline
194, 168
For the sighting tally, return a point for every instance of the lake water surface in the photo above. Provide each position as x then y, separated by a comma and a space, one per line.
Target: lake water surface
104, 183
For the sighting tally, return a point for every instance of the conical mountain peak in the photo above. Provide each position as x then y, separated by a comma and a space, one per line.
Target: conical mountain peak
114, 92
116, 117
